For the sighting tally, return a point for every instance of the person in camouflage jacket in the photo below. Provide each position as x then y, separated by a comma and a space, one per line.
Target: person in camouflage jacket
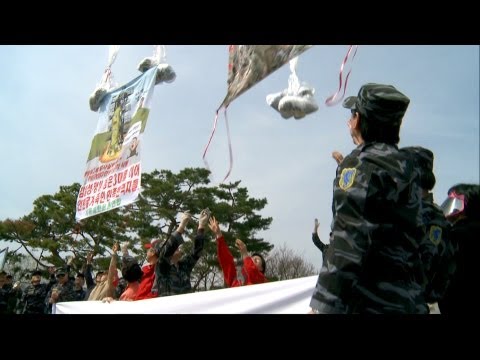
174, 268
373, 263
33, 297
437, 250
62, 291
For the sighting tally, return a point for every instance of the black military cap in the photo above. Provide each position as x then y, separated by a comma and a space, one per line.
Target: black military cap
383, 103
423, 157
37, 273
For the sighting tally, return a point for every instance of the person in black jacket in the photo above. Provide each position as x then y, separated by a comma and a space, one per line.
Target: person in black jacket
462, 209
175, 265
316, 240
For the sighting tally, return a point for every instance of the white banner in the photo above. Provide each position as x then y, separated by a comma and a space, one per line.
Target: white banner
280, 297
113, 173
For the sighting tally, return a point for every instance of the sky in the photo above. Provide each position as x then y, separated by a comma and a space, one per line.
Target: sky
47, 125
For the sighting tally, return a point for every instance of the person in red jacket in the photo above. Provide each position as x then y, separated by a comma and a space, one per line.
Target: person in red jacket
253, 269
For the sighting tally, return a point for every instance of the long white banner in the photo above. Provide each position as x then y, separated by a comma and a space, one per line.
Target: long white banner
280, 297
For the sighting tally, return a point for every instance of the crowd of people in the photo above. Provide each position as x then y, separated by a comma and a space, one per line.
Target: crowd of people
167, 272
391, 248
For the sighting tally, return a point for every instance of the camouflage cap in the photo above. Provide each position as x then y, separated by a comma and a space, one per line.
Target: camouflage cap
423, 157
383, 103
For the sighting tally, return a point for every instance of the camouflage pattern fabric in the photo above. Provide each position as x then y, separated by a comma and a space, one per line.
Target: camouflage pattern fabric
441, 266
373, 263
383, 104
33, 299
249, 64
66, 292
173, 279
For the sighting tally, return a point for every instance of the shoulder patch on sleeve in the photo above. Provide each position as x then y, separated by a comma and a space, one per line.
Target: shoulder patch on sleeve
435, 234
347, 177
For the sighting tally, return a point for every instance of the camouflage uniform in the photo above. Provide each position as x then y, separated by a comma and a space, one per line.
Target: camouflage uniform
66, 291
437, 251
174, 279
442, 265
373, 263
5, 298
33, 299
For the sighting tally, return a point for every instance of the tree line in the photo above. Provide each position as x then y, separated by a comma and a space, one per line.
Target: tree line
50, 235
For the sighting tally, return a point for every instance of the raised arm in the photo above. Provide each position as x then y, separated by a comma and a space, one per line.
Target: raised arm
88, 271
316, 239
224, 255
112, 270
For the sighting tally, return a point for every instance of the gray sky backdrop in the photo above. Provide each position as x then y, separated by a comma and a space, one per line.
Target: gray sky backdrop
47, 125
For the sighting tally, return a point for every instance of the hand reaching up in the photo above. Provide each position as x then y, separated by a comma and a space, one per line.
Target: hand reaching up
186, 216
213, 225
89, 257
242, 247
204, 216
337, 156
124, 247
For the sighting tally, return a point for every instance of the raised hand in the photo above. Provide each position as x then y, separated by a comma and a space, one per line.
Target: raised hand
337, 156
204, 216
186, 216
242, 247
213, 225
124, 247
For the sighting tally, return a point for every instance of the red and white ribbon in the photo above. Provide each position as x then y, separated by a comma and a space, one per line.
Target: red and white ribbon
333, 100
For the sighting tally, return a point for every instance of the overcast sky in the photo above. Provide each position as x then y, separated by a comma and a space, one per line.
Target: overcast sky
47, 125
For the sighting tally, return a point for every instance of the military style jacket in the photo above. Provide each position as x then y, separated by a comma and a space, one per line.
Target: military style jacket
438, 251
174, 279
33, 299
373, 263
